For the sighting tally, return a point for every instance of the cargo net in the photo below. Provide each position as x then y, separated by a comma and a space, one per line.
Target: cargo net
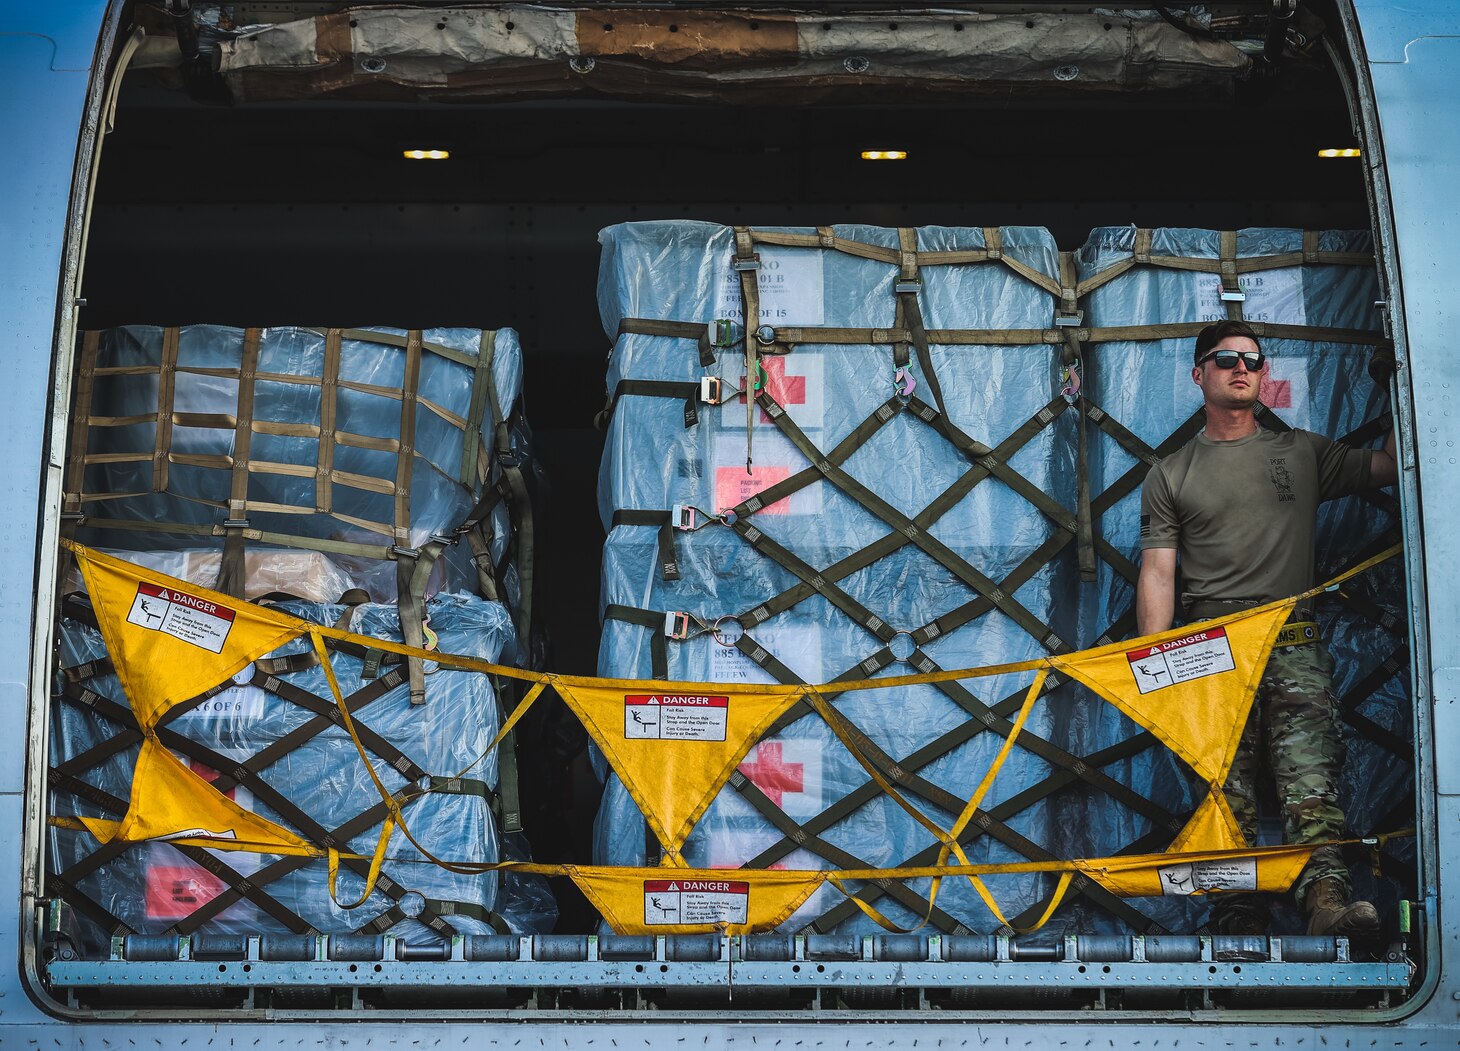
1085, 778
268, 741
397, 454
363, 805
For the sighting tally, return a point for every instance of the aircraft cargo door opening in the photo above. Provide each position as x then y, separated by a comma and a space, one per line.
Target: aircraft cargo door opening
659, 510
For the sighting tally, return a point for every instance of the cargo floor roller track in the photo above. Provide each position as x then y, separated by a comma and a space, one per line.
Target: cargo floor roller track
811, 972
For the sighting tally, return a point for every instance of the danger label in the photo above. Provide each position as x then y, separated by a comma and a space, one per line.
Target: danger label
194, 620
1209, 876
715, 902
675, 717
1181, 660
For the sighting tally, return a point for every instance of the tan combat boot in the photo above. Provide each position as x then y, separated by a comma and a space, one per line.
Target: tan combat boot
1330, 912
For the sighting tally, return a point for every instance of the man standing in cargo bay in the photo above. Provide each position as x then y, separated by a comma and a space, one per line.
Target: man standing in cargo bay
1238, 504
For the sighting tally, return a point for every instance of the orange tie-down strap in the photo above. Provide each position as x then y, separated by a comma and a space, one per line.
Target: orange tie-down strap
674, 745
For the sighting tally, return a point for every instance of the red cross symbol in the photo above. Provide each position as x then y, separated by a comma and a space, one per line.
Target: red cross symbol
785, 389
773, 776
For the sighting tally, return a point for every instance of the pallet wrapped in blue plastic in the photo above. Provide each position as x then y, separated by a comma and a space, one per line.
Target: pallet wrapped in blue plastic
398, 452
899, 553
376, 465
1316, 292
269, 740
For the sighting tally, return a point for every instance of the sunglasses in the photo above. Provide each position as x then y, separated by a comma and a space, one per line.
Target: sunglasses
1227, 359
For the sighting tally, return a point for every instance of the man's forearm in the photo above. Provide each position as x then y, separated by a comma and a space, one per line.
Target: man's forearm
1155, 607
1156, 591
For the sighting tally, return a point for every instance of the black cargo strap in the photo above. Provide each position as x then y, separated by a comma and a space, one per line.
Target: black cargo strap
645, 618
984, 822
982, 718
907, 530
907, 333
663, 522
699, 332
925, 541
838, 857
687, 392
906, 780
242, 887
232, 772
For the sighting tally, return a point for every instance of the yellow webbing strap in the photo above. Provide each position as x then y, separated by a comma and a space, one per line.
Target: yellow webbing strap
160, 669
1296, 633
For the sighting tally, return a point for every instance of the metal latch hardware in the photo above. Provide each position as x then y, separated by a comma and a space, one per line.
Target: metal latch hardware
1069, 319
723, 332
684, 517
712, 390
677, 625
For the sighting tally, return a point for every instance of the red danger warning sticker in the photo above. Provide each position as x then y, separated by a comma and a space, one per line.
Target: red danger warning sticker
194, 620
675, 717
1181, 660
710, 901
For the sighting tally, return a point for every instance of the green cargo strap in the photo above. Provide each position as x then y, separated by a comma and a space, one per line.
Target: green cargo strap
747, 265
474, 436
232, 573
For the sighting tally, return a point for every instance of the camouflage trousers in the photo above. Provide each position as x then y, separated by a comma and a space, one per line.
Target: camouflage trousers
1293, 732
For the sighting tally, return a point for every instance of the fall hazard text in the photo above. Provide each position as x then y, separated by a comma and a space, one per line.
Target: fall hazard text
197, 621
697, 901
1181, 660
675, 717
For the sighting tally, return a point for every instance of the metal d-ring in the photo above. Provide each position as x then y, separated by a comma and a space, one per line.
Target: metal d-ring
911, 646
715, 631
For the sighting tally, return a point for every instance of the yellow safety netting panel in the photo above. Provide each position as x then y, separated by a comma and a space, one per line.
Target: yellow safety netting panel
674, 745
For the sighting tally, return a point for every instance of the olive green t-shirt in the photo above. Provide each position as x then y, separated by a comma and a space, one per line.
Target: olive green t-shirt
1241, 514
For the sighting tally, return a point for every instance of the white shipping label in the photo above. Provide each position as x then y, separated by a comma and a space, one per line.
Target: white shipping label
244, 703
797, 646
773, 462
192, 619
790, 285
675, 717
1220, 875
668, 902
1181, 660
1273, 296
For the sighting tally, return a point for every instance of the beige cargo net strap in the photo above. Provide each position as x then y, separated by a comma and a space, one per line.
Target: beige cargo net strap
487, 470
672, 777
907, 337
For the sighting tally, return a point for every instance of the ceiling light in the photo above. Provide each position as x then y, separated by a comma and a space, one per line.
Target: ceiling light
1348, 151
884, 155
426, 155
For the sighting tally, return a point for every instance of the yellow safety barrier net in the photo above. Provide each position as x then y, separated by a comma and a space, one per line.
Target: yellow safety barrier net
674, 746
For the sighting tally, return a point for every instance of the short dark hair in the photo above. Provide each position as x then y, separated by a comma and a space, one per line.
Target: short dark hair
1214, 333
